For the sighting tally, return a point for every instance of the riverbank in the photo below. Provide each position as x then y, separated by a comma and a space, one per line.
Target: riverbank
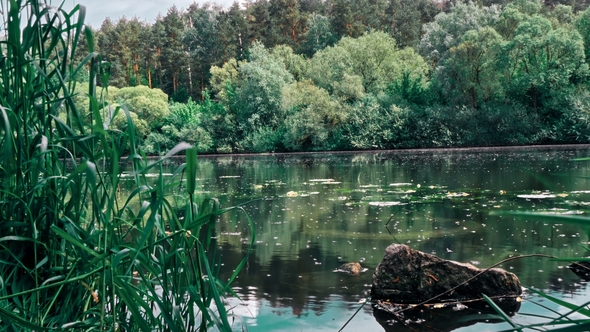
403, 151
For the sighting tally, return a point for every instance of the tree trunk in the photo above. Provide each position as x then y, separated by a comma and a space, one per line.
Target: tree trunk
149, 74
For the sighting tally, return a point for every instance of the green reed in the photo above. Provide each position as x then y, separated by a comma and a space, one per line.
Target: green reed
73, 256
571, 317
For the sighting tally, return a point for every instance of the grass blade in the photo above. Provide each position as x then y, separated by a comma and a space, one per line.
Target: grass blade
562, 303
500, 312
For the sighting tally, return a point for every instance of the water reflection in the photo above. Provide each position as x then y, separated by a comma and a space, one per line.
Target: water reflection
443, 319
315, 212
302, 279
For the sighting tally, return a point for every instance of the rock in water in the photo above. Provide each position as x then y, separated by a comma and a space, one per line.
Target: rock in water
408, 276
581, 269
352, 268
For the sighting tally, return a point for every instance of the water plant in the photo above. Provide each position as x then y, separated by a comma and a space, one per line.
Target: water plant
73, 254
571, 316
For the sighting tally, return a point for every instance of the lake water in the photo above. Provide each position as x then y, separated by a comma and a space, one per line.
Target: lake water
314, 212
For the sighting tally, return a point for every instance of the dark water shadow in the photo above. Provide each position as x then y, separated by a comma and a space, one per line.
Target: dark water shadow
449, 318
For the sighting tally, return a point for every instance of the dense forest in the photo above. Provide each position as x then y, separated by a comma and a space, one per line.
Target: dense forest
309, 75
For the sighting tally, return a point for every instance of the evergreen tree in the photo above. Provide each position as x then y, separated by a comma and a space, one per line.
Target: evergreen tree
157, 43
355, 17
233, 29
174, 55
258, 15
405, 18
286, 21
203, 41
313, 6
108, 42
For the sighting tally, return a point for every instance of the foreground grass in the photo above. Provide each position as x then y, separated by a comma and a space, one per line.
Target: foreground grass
72, 255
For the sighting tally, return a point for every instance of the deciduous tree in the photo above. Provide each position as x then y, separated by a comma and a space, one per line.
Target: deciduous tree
448, 28
469, 74
366, 64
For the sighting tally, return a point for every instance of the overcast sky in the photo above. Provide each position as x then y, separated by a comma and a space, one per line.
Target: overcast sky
145, 10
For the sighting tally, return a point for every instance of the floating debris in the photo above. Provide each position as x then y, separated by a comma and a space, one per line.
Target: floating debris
351, 268
230, 176
231, 233
292, 194
536, 196
384, 203
149, 175
401, 184
369, 186
459, 194
459, 306
322, 180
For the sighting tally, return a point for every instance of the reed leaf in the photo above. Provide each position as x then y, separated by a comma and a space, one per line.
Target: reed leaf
500, 312
562, 303
73, 254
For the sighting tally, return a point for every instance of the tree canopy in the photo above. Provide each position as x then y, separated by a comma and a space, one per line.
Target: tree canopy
308, 75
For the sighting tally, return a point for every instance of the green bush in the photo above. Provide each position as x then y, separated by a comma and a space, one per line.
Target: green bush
312, 118
371, 126
507, 123
221, 125
183, 124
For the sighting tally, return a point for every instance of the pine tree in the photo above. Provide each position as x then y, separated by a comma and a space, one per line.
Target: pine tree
258, 16
234, 32
174, 55
287, 23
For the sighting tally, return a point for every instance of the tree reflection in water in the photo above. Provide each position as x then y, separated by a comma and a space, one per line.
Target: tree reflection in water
302, 237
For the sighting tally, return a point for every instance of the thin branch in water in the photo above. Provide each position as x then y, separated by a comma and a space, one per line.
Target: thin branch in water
368, 299
477, 275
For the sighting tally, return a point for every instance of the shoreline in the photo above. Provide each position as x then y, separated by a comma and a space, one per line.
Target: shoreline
401, 151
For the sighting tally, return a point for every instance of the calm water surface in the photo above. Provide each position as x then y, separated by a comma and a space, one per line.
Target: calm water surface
315, 212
